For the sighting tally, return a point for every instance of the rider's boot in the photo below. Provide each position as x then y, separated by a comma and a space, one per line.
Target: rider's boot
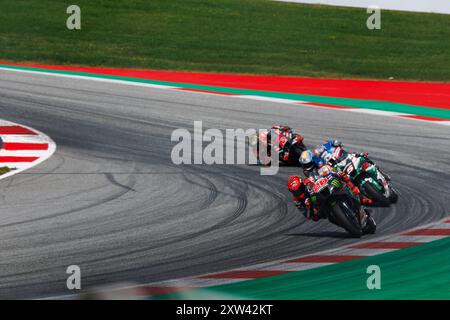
315, 214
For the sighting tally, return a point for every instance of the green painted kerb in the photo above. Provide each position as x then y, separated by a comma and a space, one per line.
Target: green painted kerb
356, 103
421, 272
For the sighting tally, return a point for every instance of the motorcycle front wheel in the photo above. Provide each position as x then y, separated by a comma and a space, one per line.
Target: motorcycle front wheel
394, 196
346, 219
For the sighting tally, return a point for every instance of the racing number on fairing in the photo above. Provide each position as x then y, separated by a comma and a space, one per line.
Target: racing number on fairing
349, 169
319, 185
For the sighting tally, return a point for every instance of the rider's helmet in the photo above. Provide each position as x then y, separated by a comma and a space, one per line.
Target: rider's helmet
295, 183
306, 160
282, 130
334, 143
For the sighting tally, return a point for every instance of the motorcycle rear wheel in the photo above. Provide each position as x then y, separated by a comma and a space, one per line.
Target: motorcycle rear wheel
295, 152
376, 196
394, 196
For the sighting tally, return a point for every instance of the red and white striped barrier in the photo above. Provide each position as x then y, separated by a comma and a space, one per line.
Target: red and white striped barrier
22, 147
413, 237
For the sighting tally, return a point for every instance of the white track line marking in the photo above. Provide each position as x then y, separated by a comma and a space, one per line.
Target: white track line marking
11, 138
291, 266
269, 99
195, 282
94, 78
376, 112
99, 78
23, 153
358, 252
421, 239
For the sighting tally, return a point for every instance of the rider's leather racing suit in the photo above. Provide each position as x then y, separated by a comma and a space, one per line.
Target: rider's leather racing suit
282, 140
302, 198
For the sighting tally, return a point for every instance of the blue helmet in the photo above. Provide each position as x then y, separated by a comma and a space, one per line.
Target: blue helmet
310, 161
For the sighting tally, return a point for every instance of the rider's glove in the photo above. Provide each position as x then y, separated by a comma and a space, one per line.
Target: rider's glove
355, 189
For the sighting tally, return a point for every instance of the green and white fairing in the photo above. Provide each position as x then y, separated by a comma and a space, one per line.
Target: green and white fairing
369, 179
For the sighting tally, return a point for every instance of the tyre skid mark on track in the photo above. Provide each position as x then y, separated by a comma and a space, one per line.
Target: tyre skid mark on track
224, 223
212, 189
234, 215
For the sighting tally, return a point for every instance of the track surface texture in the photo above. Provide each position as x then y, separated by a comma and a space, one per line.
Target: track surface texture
111, 201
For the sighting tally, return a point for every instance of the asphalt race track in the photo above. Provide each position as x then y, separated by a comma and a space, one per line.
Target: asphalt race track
111, 201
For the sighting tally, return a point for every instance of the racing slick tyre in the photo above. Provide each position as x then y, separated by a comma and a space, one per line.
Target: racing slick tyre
393, 198
345, 218
370, 227
376, 196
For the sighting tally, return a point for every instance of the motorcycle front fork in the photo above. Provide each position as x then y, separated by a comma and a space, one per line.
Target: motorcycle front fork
364, 216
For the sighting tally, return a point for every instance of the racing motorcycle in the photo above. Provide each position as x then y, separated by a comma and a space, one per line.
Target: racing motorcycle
289, 148
365, 174
337, 202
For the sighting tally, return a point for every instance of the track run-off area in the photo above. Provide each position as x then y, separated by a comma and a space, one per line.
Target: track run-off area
111, 201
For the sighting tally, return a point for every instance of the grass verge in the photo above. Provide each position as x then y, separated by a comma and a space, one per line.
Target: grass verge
4, 170
245, 36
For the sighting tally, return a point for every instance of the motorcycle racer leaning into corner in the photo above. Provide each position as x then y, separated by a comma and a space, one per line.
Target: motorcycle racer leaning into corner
333, 153
287, 143
312, 164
